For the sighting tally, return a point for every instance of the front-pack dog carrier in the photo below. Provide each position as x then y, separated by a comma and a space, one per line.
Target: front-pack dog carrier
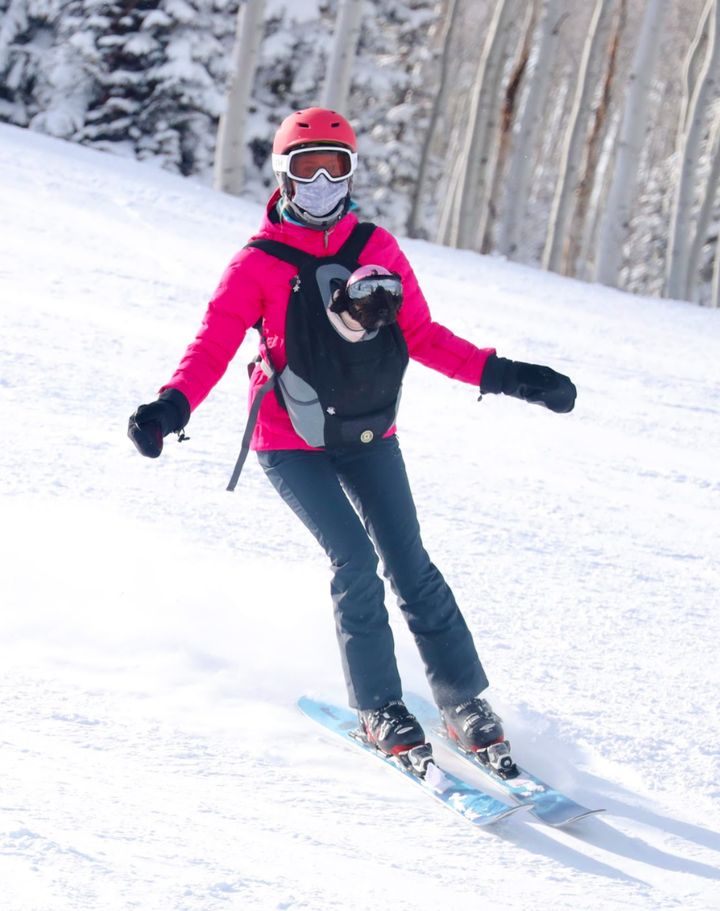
338, 393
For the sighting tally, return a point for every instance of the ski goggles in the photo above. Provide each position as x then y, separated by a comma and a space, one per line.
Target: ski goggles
304, 165
365, 287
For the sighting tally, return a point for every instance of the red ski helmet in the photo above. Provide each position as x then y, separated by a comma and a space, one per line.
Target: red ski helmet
313, 125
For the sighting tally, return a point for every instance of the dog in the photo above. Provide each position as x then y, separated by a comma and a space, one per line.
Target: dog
372, 297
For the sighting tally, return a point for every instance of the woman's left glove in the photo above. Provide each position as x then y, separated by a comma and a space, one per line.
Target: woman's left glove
530, 382
150, 423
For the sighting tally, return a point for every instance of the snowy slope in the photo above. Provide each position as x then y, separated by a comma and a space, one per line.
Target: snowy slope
155, 630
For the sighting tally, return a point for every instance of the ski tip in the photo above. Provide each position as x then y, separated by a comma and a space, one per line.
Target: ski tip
511, 811
561, 822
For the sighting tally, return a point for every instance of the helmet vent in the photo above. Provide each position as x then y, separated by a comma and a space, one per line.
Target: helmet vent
305, 125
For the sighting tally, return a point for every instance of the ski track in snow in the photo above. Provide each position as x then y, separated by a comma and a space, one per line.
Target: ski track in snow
155, 631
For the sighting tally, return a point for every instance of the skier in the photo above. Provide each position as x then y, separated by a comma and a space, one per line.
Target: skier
342, 473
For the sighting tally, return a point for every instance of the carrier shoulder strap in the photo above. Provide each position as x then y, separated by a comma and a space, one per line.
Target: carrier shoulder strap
352, 248
249, 428
284, 252
357, 241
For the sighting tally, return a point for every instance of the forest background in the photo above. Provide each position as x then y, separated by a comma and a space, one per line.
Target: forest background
583, 138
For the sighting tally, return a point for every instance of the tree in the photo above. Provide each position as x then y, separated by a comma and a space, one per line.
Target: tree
679, 278
705, 212
27, 54
391, 105
336, 90
451, 18
143, 79
693, 64
482, 120
497, 164
231, 145
575, 136
523, 157
581, 223
616, 216
288, 75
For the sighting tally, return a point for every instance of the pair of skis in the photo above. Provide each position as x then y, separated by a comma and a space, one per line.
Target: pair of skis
466, 800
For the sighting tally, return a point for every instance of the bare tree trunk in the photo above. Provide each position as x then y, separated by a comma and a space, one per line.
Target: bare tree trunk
616, 217
708, 196
230, 150
579, 222
598, 201
692, 66
437, 115
449, 206
715, 299
569, 169
498, 165
483, 113
678, 276
336, 91
523, 156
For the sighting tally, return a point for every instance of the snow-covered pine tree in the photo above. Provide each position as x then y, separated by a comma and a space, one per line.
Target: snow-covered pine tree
28, 30
392, 105
161, 68
289, 74
144, 79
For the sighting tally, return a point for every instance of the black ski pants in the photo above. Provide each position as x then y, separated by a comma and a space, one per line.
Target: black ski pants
358, 504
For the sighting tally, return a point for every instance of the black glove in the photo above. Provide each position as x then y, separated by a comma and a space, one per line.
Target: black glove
150, 423
539, 385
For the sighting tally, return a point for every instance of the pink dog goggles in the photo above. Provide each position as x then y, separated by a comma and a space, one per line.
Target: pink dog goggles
367, 279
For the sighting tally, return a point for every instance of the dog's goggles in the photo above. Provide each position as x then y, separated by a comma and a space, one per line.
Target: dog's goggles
364, 287
304, 165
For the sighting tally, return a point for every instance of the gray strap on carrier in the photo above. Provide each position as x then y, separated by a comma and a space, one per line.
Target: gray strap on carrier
249, 428
352, 248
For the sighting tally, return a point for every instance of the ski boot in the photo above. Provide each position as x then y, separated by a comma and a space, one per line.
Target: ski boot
476, 729
394, 731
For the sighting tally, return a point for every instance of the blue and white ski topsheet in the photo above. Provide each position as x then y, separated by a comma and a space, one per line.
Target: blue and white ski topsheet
545, 802
463, 799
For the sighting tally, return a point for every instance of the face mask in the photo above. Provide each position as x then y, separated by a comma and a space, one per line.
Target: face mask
320, 197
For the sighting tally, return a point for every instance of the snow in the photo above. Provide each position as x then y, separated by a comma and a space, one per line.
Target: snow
156, 631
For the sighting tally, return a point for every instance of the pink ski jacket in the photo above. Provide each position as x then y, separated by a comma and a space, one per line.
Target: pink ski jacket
256, 285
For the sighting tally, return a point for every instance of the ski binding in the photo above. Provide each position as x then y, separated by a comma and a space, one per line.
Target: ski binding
417, 766
545, 802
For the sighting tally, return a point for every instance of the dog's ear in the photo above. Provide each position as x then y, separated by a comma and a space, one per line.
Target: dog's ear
339, 302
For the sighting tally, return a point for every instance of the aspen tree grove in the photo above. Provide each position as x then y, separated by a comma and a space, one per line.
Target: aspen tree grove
582, 138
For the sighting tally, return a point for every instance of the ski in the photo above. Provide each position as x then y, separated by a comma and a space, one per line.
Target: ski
545, 802
463, 799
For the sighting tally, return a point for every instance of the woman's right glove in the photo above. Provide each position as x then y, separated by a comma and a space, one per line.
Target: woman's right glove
150, 423
530, 382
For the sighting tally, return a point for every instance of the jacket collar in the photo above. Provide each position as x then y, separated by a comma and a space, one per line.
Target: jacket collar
315, 242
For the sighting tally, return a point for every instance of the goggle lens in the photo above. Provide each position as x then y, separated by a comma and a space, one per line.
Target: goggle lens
306, 163
364, 287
